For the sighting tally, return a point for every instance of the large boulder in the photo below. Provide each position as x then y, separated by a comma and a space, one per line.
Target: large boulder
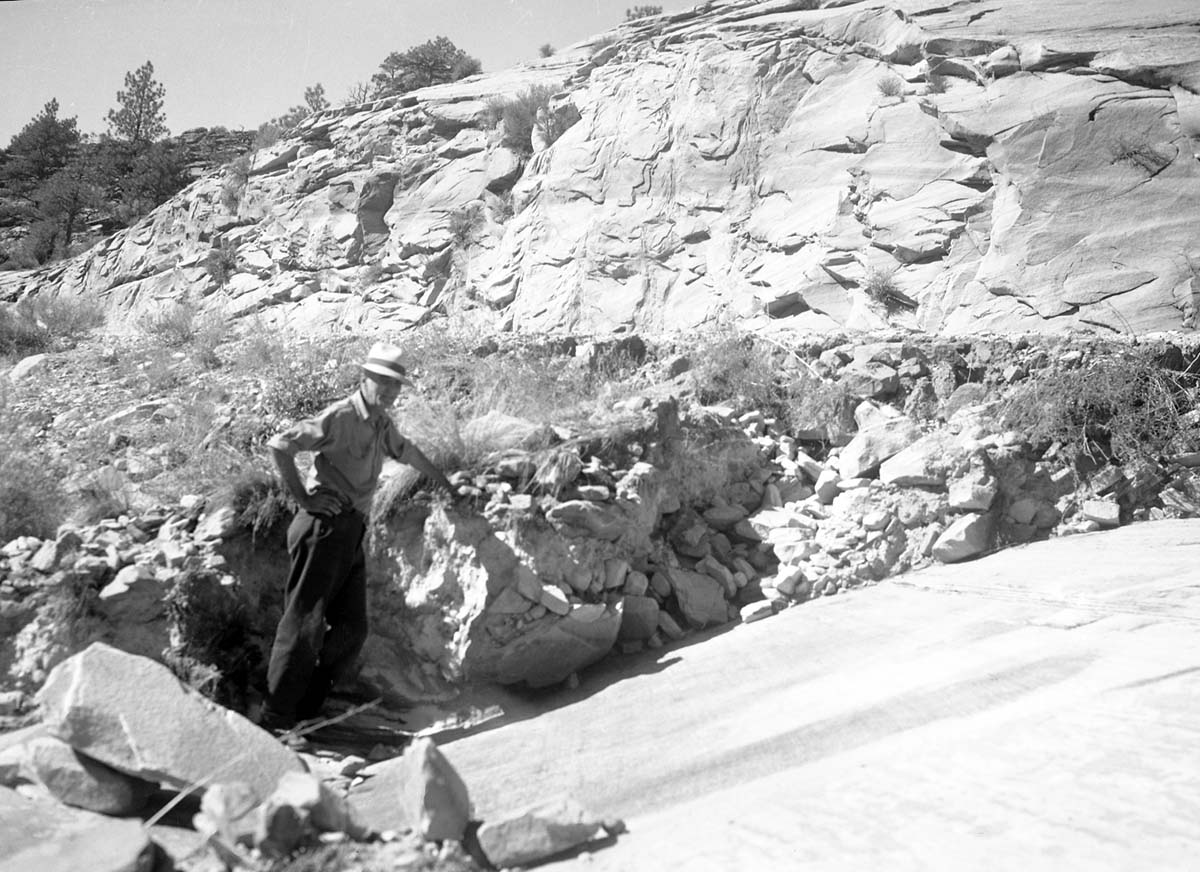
133, 715
550, 648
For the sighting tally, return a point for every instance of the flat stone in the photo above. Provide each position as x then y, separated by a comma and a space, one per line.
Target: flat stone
1106, 513
554, 599
538, 833
576, 518
756, 611
83, 783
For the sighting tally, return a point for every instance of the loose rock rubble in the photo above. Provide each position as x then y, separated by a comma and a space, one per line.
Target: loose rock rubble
576, 551
76, 787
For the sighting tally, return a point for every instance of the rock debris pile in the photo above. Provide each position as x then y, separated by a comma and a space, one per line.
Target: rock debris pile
121, 742
698, 516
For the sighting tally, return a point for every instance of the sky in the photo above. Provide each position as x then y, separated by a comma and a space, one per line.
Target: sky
237, 63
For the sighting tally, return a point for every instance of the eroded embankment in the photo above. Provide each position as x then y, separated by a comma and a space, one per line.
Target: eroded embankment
688, 515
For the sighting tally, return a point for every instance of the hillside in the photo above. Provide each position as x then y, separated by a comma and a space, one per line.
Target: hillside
792, 164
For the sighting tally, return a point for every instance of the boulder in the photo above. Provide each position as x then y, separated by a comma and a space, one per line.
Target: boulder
538, 833
974, 493
133, 715
870, 447
302, 807
551, 648
924, 463
418, 790
27, 366
83, 783
134, 596
966, 537
701, 597
577, 518
1106, 513
639, 619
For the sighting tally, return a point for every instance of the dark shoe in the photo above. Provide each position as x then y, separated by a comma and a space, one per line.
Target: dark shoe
355, 695
273, 721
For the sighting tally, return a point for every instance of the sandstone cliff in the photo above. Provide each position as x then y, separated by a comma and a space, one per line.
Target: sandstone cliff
954, 167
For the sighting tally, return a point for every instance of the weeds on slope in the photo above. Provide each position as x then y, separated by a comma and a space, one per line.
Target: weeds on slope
1118, 406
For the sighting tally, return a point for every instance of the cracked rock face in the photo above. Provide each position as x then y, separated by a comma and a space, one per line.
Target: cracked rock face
955, 167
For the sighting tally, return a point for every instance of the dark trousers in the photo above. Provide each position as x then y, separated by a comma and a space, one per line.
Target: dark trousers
324, 623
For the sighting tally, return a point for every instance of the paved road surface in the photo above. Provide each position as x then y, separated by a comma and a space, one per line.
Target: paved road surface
1036, 709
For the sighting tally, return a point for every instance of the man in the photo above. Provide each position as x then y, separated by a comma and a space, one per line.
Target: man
324, 623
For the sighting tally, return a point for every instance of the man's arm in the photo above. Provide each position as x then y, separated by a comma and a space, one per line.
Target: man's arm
320, 503
415, 458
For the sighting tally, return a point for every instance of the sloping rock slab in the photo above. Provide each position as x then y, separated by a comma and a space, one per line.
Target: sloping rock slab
132, 714
48, 837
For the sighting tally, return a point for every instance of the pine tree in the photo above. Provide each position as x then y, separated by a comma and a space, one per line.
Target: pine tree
140, 120
432, 63
42, 148
66, 197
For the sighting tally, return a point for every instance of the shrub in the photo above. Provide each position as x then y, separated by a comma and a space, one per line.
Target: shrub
520, 114
369, 275
1120, 406
19, 334
173, 325
67, 317
31, 495
809, 403
237, 174
32, 325
296, 377
221, 262
463, 223
890, 86
1143, 155
261, 505
880, 283
736, 368
210, 646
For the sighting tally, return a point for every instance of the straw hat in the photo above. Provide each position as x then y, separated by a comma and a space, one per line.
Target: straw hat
385, 359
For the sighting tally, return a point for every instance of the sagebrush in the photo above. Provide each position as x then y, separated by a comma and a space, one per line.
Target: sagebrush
1118, 406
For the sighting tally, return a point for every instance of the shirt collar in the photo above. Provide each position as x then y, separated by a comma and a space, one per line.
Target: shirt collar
360, 405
